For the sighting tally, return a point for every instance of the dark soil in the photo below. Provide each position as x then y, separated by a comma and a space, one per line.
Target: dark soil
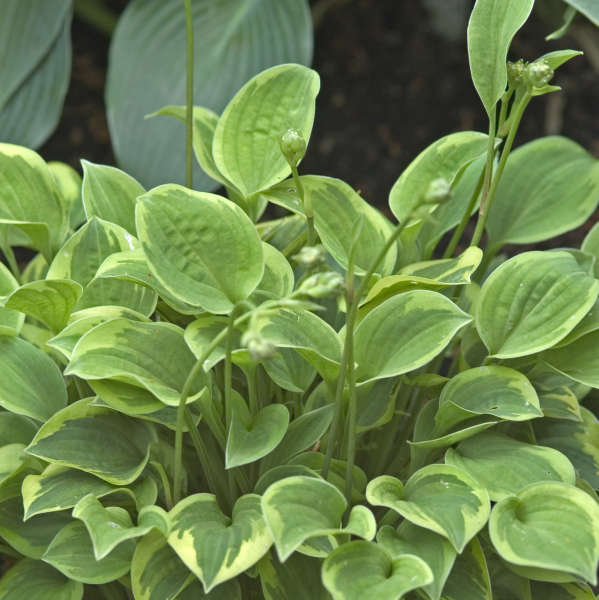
390, 87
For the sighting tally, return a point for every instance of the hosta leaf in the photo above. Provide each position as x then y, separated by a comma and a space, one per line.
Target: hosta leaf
445, 158
32, 384
201, 247
549, 186
307, 333
253, 436
50, 301
488, 54
404, 333
365, 570
504, 466
532, 301
589, 324
268, 33
433, 549
278, 279
494, 390
135, 353
29, 199
577, 360
81, 257
560, 403
59, 488
321, 511
578, 441
301, 434
84, 320
116, 447
290, 370
36, 580
68, 182
16, 429
110, 194
549, 526
214, 547
72, 553
337, 207
110, 527
11, 321
561, 591
469, 578
440, 498
246, 141
30, 538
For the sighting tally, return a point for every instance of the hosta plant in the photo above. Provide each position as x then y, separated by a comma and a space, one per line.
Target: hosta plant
283, 394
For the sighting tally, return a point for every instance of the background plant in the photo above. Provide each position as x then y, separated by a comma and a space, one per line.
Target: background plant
199, 402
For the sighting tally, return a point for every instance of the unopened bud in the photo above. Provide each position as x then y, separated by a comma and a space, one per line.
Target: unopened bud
310, 256
258, 347
293, 146
323, 285
516, 73
438, 191
539, 73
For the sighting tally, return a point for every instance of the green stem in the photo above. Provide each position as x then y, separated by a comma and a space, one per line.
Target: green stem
352, 310
97, 14
295, 245
12, 262
505, 100
352, 401
457, 234
228, 388
307, 204
250, 375
516, 117
189, 96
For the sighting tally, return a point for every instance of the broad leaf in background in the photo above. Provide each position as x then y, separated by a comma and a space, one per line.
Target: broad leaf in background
525, 528
264, 32
532, 301
361, 569
36, 50
578, 360
11, 321
549, 186
214, 547
201, 247
404, 333
589, 8
246, 147
446, 158
469, 578
492, 26
29, 577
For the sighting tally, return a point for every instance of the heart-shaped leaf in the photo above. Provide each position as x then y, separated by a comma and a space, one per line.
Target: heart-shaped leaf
577, 360
246, 141
32, 384
252, 437
201, 247
488, 56
28, 577
134, 352
494, 390
72, 553
49, 301
530, 529
433, 549
214, 547
504, 466
441, 498
404, 333
549, 186
116, 447
365, 570
532, 301
110, 194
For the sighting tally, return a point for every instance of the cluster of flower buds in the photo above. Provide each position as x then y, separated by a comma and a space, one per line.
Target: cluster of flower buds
293, 146
310, 256
258, 347
535, 74
323, 285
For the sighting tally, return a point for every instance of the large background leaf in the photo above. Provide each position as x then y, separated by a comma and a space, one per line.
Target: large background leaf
234, 40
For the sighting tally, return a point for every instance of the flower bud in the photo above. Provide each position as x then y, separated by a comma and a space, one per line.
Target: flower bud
438, 191
323, 285
293, 146
310, 256
539, 73
516, 73
258, 347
